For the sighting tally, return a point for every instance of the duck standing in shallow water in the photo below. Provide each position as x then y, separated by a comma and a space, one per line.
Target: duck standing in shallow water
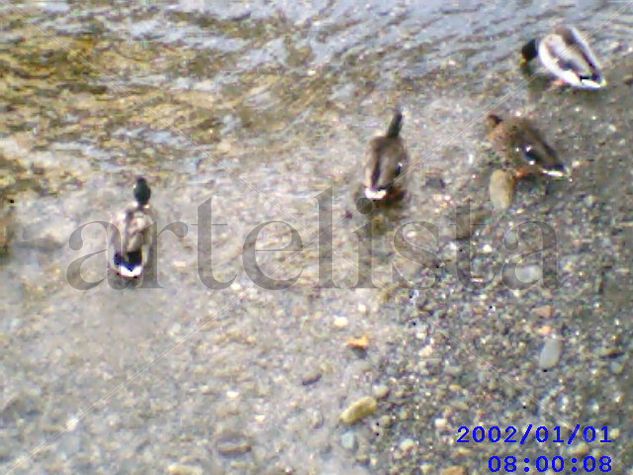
567, 55
387, 161
518, 141
132, 237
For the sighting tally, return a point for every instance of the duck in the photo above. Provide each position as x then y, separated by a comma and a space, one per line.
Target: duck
132, 235
566, 54
386, 165
519, 141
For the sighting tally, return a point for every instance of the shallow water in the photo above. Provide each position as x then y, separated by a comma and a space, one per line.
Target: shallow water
263, 107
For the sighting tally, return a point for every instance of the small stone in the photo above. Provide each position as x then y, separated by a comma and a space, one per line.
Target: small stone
616, 367
359, 409
454, 470
380, 391
550, 354
407, 445
545, 311
579, 450
358, 343
528, 274
316, 419
426, 352
311, 378
348, 441
340, 322
545, 330
180, 469
427, 468
235, 447
440, 423
501, 189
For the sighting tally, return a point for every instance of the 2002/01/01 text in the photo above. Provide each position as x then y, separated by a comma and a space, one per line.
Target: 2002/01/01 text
541, 435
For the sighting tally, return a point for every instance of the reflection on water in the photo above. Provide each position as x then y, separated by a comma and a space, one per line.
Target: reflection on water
261, 106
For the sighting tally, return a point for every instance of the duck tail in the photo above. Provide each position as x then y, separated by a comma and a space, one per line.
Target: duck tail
529, 51
393, 131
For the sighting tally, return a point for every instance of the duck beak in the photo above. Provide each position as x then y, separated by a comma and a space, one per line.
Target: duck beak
590, 84
375, 194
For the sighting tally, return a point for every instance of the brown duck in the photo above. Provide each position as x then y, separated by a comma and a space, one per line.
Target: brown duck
387, 161
518, 141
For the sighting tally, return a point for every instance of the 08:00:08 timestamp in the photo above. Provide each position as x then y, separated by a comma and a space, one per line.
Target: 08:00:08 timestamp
542, 464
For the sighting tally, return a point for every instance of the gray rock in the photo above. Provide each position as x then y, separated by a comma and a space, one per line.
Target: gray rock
550, 354
181, 469
311, 378
234, 447
348, 441
501, 189
359, 409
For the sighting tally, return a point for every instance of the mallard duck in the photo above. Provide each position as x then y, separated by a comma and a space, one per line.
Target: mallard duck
522, 144
566, 54
131, 237
387, 161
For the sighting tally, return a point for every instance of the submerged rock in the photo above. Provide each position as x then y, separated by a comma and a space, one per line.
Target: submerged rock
501, 189
359, 409
550, 354
180, 469
231, 448
348, 441
454, 470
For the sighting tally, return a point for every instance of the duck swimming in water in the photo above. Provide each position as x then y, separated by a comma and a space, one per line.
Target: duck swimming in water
523, 146
387, 161
131, 239
566, 54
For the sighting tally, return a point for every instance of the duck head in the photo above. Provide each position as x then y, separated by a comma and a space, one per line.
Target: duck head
529, 51
142, 191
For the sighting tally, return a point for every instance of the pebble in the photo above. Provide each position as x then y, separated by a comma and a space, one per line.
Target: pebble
427, 468
550, 354
407, 445
359, 409
348, 441
454, 470
528, 274
340, 322
545, 311
616, 367
180, 469
579, 450
234, 447
501, 189
440, 423
311, 378
380, 391
361, 343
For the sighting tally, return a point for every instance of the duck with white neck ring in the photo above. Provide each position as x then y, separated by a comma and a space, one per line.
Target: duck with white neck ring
566, 54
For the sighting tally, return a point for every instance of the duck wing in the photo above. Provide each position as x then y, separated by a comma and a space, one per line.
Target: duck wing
566, 52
